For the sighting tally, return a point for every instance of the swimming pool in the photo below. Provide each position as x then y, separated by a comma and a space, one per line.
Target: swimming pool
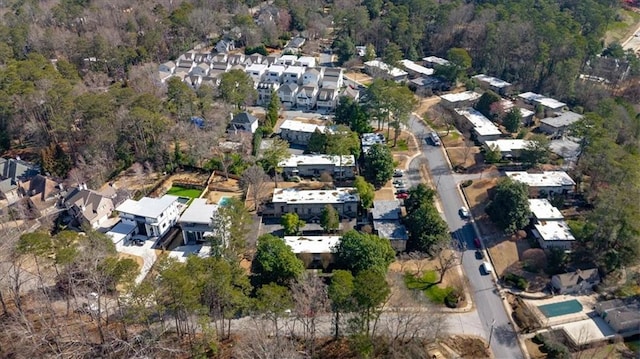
223, 201
561, 308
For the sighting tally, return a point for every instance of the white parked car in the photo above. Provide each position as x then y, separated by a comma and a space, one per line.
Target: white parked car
486, 266
464, 213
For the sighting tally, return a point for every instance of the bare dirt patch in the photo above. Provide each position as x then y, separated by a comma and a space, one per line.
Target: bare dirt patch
424, 104
359, 77
478, 196
452, 139
534, 350
468, 347
384, 194
463, 156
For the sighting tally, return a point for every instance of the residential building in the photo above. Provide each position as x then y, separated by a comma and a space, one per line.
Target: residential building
549, 227
623, 315
274, 73
333, 77
12, 173
494, 84
272, 59
550, 106
297, 132
607, 70
256, 72
327, 99
433, 61
309, 204
196, 221
314, 165
386, 217
294, 45
350, 92
201, 69
306, 61
185, 66
509, 148
225, 45
557, 126
306, 98
164, 76
213, 80
219, 58
256, 59
481, 127
152, 217
415, 70
378, 69
544, 183
459, 100
88, 207
168, 66
236, 59
315, 245
287, 60
577, 282
293, 75
287, 94
567, 148
203, 57
265, 90
243, 121
369, 139
312, 76
220, 66
194, 81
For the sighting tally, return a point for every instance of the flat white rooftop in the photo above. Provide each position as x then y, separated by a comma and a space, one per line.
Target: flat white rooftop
120, 231
297, 126
370, 139
506, 145
542, 179
391, 70
256, 68
436, 60
198, 212
181, 253
306, 61
565, 119
526, 113
312, 244
297, 70
333, 196
288, 58
276, 69
492, 81
482, 125
461, 96
543, 100
412, 66
147, 207
543, 209
317, 160
554, 230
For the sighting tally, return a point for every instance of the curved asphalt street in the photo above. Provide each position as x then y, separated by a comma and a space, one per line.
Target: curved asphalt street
489, 307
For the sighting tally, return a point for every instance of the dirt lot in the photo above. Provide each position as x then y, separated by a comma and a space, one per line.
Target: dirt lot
385, 193
424, 104
359, 77
468, 347
477, 195
464, 156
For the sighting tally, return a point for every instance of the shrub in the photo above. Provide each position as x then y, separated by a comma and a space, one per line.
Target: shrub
452, 299
516, 280
467, 183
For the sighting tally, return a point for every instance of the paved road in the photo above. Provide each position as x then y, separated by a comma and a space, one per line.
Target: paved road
486, 298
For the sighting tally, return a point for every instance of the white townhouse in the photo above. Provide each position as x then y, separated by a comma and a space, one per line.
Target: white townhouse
152, 217
327, 99
312, 76
297, 132
546, 182
196, 221
315, 165
287, 94
256, 72
306, 98
202, 69
274, 73
308, 204
333, 77
293, 75
265, 90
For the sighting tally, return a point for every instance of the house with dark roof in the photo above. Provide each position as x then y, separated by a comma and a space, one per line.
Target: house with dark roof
580, 281
385, 216
225, 45
87, 207
327, 99
243, 121
287, 94
12, 173
295, 45
623, 315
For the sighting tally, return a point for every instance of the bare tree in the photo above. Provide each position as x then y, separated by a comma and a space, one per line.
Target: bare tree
257, 343
466, 151
310, 301
446, 260
255, 181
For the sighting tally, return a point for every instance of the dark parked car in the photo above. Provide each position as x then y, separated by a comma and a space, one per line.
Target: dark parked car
402, 195
476, 241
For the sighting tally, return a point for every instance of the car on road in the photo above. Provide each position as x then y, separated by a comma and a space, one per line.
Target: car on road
397, 181
435, 139
402, 195
487, 268
398, 173
479, 254
402, 190
398, 184
464, 212
476, 241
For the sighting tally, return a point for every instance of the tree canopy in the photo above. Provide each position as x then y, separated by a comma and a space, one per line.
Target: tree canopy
378, 165
275, 262
361, 251
509, 208
427, 230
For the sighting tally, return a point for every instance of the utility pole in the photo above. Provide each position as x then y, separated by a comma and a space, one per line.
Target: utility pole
493, 324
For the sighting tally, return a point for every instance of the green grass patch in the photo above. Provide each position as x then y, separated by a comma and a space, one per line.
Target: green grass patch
184, 192
401, 145
617, 30
427, 284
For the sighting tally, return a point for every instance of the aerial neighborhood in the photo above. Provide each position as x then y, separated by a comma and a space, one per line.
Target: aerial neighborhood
300, 179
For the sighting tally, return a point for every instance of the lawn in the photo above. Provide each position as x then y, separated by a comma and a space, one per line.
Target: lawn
184, 192
428, 284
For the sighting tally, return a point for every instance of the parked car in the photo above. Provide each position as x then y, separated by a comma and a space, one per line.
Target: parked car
398, 173
476, 241
402, 190
403, 195
138, 242
397, 181
398, 184
479, 254
487, 268
464, 213
435, 139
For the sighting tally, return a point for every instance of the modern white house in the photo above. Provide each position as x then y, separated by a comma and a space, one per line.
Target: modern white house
327, 99
459, 100
287, 60
297, 132
256, 72
293, 74
433, 61
265, 90
309, 204
378, 69
549, 226
312, 76
550, 105
333, 77
509, 148
556, 126
306, 61
415, 70
481, 127
315, 245
196, 221
287, 94
544, 183
494, 84
307, 96
314, 165
274, 73
152, 217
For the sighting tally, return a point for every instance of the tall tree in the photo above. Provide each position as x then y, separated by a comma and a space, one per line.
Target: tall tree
366, 191
349, 112
359, 252
273, 111
536, 151
512, 120
486, 101
329, 219
370, 292
340, 293
236, 88
275, 262
277, 152
378, 165
509, 208
291, 223
392, 54
230, 227
254, 182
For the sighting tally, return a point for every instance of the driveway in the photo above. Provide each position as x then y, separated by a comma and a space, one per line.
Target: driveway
489, 305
